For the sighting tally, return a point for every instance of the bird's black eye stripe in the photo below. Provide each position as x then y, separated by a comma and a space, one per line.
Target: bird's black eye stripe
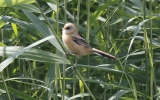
67, 28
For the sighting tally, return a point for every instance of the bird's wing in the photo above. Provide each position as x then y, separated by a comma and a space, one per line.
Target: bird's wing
80, 41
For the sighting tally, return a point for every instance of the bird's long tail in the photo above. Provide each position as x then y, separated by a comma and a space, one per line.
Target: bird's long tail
101, 53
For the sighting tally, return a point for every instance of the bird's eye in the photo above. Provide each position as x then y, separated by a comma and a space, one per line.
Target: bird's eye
67, 28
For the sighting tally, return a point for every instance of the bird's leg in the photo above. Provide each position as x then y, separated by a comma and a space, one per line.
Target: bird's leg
68, 53
77, 58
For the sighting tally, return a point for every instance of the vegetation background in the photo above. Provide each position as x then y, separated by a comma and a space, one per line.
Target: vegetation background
33, 65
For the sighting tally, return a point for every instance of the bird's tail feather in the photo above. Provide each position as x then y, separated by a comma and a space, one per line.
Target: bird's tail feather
101, 53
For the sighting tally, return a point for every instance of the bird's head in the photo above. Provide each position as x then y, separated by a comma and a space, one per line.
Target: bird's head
69, 28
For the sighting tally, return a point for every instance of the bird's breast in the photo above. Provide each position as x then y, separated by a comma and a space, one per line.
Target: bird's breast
73, 47
68, 42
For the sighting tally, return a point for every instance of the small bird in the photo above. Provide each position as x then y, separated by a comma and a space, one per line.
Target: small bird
78, 45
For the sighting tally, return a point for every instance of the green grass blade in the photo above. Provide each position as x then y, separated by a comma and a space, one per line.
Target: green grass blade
43, 29
6, 62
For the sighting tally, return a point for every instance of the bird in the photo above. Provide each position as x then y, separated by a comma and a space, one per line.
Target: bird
77, 45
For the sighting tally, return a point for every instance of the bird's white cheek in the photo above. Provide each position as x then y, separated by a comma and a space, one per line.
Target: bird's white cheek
63, 31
